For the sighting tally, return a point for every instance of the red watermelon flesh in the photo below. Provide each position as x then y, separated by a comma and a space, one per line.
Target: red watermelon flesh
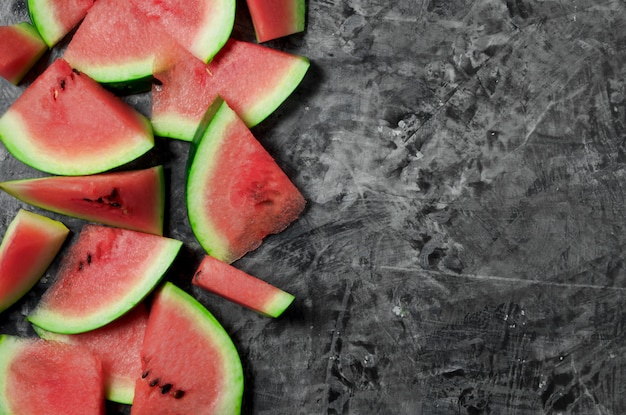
276, 18
129, 199
200, 26
236, 193
45, 377
190, 364
66, 123
29, 246
115, 44
105, 273
56, 18
117, 345
253, 79
20, 48
240, 287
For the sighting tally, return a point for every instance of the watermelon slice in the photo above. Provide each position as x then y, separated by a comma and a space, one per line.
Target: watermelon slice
236, 193
276, 18
43, 377
65, 123
106, 272
130, 199
240, 287
29, 246
20, 48
117, 345
56, 18
117, 46
253, 79
190, 364
201, 26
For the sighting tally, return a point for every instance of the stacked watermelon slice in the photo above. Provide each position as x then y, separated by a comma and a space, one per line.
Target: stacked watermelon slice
109, 313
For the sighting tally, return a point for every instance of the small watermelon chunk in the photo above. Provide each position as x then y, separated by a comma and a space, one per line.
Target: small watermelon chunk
253, 79
240, 287
20, 48
46, 377
118, 346
236, 193
276, 18
190, 364
201, 26
29, 246
130, 199
56, 18
105, 273
117, 46
65, 123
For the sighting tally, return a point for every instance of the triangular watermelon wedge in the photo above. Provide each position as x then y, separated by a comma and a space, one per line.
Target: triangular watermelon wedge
273, 19
189, 362
65, 123
46, 377
20, 48
28, 247
253, 79
56, 18
105, 273
118, 346
236, 193
128, 199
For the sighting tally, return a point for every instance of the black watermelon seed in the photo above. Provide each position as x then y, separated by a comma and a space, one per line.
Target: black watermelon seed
154, 382
145, 374
179, 394
166, 388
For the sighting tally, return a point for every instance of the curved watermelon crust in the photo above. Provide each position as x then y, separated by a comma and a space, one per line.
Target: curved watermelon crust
236, 193
65, 123
43, 377
200, 26
20, 48
240, 287
104, 274
253, 79
190, 364
273, 19
56, 18
130, 199
29, 245
118, 346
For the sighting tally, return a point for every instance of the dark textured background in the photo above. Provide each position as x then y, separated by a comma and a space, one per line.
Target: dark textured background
463, 247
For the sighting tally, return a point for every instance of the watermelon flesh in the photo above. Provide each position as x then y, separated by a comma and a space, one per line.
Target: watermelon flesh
201, 26
56, 18
240, 287
104, 274
65, 123
129, 199
29, 246
236, 193
116, 45
253, 79
20, 48
273, 19
190, 364
117, 345
46, 377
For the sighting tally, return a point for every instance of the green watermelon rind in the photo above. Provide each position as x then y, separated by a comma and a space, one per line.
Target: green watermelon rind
59, 323
215, 33
175, 125
233, 369
9, 347
14, 136
207, 141
42, 16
